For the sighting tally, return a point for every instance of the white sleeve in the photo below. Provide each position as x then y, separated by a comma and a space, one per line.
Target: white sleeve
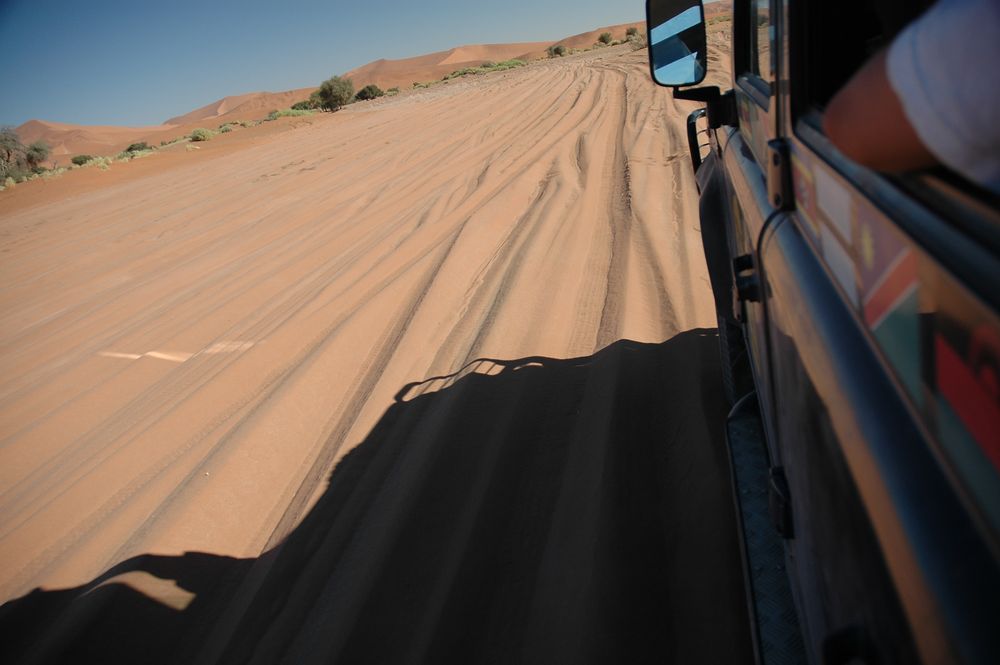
945, 70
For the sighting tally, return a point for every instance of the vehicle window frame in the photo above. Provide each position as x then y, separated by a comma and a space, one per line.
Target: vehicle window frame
751, 82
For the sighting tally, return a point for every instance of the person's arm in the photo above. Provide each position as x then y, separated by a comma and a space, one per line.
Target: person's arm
866, 122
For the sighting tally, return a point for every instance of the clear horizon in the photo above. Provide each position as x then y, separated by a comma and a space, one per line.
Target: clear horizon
128, 64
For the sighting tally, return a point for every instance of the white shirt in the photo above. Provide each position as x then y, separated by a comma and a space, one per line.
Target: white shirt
945, 70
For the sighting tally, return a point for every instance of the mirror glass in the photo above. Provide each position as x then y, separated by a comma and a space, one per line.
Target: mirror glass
676, 41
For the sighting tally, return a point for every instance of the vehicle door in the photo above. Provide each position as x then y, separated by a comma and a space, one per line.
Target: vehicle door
745, 156
883, 333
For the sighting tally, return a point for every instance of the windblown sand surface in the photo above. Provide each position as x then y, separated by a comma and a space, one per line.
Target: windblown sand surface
426, 380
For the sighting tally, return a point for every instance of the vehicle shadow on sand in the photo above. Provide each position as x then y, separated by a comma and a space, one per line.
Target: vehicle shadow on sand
531, 510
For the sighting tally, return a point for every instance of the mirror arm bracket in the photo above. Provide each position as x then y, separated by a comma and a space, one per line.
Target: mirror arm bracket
721, 107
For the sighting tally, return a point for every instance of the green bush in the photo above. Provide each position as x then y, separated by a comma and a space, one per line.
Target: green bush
37, 153
18, 161
274, 115
305, 105
370, 91
631, 31
225, 129
392, 92
201, 134
335, 92
136, 147
605, 38
556, 51
80, 160
481, 69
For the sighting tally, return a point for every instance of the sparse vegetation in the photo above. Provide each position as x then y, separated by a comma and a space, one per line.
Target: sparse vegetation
335, 93
308, 104
637, 41
201, 134
605, 38
19, 161
556, 51
274, 115
418, 84
392, 92
631, 31
370, 91
482, 69
80, 160
129, 155
137, 147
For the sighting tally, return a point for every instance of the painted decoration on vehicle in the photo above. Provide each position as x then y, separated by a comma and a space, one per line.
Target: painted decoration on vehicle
888, 281
964, 377
805, 194
942, 345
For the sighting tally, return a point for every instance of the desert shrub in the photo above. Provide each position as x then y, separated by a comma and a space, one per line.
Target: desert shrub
129, 155
418, 84
80, 160
103, 163
136, 147
8, 182
631, 31
37, 153
605, 38
481, 69
201, 134
225, 129
335, 92
370, 91
556, 51
18, 161
637, 42
507, 64
392, 92
274, 115
306, 105
465, 71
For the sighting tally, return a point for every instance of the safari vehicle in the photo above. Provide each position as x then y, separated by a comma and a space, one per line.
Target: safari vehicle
858, 320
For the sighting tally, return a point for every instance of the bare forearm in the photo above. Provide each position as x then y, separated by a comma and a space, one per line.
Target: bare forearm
866, 122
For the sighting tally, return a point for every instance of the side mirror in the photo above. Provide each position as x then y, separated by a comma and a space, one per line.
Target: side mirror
676, 38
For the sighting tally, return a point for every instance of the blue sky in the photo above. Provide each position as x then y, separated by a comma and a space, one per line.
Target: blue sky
135, 62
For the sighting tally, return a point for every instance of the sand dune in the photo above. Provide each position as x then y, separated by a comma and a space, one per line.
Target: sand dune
67, 139
404, 72
251, 106
423, 380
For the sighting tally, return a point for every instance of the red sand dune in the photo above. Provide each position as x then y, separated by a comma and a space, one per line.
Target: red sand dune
251, 106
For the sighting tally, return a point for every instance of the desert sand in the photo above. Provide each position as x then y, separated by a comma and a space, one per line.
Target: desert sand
430, 379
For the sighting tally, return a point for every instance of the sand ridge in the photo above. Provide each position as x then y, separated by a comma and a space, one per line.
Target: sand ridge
345, 379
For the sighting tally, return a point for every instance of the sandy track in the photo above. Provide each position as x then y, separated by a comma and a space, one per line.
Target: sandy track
187, 357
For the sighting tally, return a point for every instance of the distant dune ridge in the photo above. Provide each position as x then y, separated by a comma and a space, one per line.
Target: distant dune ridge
69, 139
